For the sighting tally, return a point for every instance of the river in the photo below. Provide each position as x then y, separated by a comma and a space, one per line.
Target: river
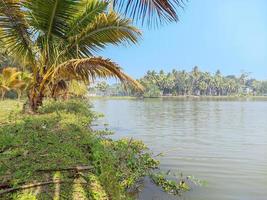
221, 141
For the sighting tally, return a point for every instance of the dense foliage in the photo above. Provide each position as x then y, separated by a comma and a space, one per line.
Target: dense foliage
196, 82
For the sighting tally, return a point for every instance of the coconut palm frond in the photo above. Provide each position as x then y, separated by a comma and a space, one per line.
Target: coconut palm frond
49, 20
14, 30
51, 16
150, 10
10, 74
104, 29
88, 11
88, 69
12, 79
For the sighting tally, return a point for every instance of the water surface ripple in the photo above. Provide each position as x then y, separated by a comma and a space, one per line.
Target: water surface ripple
222, 142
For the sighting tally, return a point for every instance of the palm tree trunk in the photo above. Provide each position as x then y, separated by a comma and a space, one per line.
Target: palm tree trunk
36, 95
36, 100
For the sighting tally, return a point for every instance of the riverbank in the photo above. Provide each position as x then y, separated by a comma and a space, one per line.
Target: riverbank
54, 155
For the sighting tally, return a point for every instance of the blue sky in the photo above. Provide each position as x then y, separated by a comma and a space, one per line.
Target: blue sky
230, 35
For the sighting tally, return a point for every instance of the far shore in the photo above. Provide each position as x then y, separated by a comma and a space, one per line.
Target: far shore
181, 97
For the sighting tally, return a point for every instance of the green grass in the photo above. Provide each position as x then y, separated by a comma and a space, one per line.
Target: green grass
9, 108
44, 147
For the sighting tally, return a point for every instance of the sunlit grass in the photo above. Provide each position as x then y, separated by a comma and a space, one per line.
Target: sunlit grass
9, 108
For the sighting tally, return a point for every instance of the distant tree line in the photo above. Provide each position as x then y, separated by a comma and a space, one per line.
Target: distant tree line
183, 83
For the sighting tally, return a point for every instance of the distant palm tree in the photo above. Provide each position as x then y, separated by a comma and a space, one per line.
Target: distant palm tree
57, 39
11, 79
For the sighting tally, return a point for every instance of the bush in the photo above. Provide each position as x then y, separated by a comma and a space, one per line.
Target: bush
74, 106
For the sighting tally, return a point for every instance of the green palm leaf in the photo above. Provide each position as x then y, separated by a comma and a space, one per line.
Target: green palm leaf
14, 29
88, 11
88, 69
104, 29
50, 17
150, 10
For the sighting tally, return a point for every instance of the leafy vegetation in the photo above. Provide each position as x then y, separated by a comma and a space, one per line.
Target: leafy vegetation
170, 186
55, 154
195, 82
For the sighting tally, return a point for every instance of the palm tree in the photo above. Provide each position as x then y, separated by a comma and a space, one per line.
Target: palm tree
10, 79
102, 87
195, 78
218, 82
57, 40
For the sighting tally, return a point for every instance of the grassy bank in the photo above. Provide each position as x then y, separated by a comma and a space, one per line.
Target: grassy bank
55, 155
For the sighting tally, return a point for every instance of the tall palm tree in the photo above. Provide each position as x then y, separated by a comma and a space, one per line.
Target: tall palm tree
195, 78
57, 40
218, 83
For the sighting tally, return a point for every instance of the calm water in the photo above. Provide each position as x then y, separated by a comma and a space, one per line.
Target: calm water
222, 142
